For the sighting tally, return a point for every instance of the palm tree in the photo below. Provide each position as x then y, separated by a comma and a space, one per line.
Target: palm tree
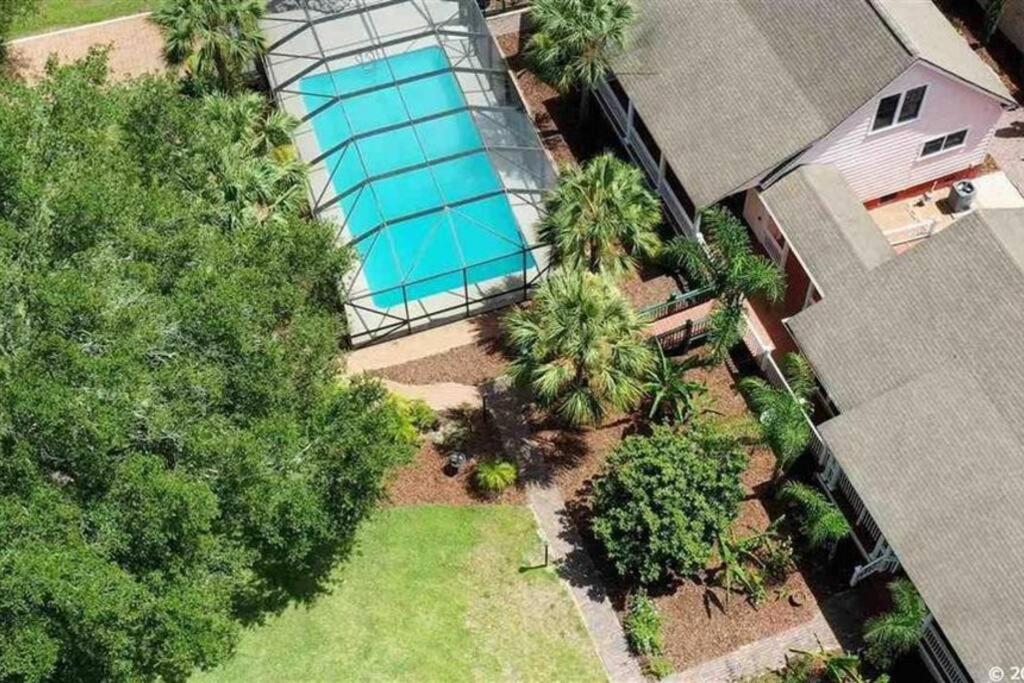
728, 265
574, 42
579, 347
673, 397
259, 176
784, 423
212, 38
898, 631
822, 524
602, 217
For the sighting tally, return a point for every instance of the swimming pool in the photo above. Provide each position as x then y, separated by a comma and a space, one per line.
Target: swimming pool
420, 197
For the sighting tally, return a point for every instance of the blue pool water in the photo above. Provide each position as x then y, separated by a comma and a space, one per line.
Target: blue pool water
415, 172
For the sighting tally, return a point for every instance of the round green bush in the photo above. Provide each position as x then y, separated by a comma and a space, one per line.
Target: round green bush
663, 499
494, 476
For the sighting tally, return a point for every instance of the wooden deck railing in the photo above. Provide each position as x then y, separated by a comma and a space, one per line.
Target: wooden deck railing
677, 303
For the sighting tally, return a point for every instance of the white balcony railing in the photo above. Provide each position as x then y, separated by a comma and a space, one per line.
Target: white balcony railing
938, 657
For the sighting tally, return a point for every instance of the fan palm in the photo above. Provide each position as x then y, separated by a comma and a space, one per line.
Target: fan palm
579, 347
602, 217
250, 120
898, 631
574, 42
728, 265
673, 397
784, 423
212, 38
822, 524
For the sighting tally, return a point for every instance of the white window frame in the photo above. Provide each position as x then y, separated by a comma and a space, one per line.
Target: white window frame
967, 133
896, 123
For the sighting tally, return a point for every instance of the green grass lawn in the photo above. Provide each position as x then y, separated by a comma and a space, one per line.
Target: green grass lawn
433, 594
54, 14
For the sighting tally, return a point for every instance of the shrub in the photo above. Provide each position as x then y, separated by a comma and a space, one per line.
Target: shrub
494, 476
662, 500
420, 415
658, 667
643, 625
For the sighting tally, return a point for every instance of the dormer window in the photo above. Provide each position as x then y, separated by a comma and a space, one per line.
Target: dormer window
899, 108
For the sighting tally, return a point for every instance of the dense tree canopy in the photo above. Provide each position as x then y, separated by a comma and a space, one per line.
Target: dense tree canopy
175, 451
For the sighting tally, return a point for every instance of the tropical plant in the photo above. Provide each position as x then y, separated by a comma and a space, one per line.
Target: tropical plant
822, 524
754, 562
728, 265
177, 451
673, 396
643, 625
11, 11
824, 667
574, 42
495, 475
579, 346
212, 39
662, 500
739, 569
895, 633
993, 14
602, 217
784, 423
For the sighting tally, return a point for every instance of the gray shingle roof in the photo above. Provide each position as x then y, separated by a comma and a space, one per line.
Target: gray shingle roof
826, 225
925, 32
949, 506
921, 355
732, 89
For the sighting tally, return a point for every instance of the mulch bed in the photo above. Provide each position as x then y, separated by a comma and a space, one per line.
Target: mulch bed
556, 116
697, 625
650, 286
473, 364
423, 481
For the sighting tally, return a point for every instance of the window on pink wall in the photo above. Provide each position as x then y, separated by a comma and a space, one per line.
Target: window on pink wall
899, 108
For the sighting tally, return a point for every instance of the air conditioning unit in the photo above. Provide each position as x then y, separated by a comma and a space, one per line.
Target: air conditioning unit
961, 196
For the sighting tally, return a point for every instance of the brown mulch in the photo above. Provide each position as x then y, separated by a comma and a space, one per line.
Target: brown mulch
697, 625
472, 364
424, 481
556, 116
651, 285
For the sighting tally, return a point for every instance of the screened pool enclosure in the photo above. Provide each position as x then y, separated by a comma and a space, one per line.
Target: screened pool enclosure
420, 151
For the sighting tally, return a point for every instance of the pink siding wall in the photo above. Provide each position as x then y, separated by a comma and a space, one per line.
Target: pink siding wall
886, 161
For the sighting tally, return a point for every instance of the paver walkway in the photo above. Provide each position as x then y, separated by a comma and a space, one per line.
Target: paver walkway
836, 626
1007, 146
136, 47
565, 544
441, 397
762, 656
